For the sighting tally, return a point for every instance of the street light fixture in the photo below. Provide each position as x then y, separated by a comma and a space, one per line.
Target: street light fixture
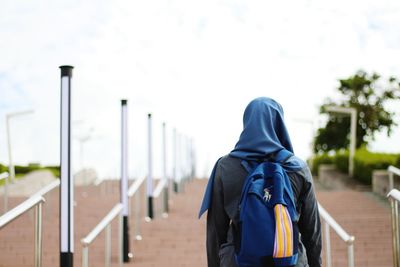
8, 118
353, 131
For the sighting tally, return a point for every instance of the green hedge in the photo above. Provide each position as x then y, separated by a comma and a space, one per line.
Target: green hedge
26, 169
341, 160
19, 169
3, 168
320, 159
365, 162
54, 169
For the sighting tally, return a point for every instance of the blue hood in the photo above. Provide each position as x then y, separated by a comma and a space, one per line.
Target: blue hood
264, 131
264, 136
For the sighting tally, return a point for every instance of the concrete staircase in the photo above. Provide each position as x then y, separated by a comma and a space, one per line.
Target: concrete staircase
91, 205
179, 240
365, 216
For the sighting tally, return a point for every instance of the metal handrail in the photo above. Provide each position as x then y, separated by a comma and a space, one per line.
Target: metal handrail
135, 186
348, 239
34, 201
394, 194
103, 224
5, 176
19, 210
159, 188
394, 198
392, 170
47, 188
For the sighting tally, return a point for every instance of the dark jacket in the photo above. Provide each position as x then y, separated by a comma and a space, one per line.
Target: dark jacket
223, 214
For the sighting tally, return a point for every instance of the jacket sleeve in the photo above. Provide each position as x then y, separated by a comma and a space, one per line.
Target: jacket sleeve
217, 224
309, 222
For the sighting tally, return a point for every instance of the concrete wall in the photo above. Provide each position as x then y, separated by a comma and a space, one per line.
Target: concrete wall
331, 178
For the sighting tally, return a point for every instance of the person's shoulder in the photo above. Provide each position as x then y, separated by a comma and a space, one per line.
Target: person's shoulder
228, 166
228, 160
303, 169
295, 160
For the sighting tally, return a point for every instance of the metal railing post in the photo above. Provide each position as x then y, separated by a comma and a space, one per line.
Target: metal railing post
47, 191
32, 202
160, 188
85, 256
137, 216
327, 245
175, 161
121, 241
38, 235
179, 181
135, 190
105, 225
165, 177
395, 232
350, 253
329, 222
108, 246
391, 182
165, 202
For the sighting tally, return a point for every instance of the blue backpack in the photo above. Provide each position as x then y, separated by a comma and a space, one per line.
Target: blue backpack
268, 229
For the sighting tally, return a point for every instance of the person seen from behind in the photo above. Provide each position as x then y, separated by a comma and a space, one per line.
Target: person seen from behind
264, 138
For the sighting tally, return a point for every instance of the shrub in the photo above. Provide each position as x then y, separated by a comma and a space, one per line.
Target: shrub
3, 168
25, 169
54, 169
19, 169
341, 160
366, 162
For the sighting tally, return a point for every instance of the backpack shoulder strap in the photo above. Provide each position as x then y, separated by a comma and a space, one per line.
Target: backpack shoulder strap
248, 166
282, 156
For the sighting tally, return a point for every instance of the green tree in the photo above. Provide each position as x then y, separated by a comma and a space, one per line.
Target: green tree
368, 93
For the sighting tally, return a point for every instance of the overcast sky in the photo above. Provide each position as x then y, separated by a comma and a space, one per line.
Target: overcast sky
193, 64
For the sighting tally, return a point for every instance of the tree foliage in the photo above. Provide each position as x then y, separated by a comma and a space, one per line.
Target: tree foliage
368, 93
